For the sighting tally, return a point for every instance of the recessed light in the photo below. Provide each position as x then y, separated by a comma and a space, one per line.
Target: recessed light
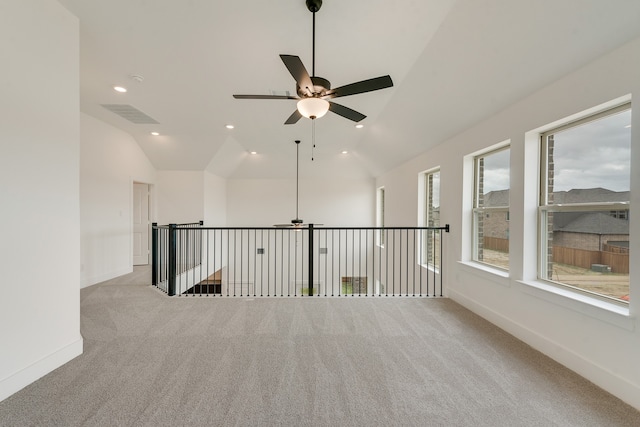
120, 89
253, 152
345, 152
155, 133
229, 126
359, 126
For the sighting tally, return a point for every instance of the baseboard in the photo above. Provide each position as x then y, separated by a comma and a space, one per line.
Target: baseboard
90, 281
26, 376
601, 376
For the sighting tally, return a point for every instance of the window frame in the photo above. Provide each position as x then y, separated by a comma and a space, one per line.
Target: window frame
425, 219
544, 207
477, 211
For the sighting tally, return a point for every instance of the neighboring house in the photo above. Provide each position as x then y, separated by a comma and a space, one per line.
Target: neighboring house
496, 224
589, 231
581, 230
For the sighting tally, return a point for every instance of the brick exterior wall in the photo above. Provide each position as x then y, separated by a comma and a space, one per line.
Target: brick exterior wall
550, 178
496, 225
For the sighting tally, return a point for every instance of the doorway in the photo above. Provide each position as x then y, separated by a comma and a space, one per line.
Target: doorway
141, 223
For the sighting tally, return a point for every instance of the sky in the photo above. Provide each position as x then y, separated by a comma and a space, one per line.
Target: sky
496, 171
596, 154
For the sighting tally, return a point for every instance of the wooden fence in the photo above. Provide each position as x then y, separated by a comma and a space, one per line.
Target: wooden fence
619, 262
496, 244
615, 257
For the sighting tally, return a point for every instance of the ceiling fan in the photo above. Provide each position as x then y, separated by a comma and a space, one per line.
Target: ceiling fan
314, 93
296, 222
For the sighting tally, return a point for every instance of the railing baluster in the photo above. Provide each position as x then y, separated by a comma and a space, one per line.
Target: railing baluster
268, 263
262, 262
255, 244
418, 264
434, 264
406, 255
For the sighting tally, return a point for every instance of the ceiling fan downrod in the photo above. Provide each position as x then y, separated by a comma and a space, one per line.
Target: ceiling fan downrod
297, 221
313, 6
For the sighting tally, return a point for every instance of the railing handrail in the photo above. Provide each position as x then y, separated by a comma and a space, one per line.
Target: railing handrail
443, 228
187, 225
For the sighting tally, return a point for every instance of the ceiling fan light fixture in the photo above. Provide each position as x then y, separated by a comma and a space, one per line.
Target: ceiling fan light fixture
313, 108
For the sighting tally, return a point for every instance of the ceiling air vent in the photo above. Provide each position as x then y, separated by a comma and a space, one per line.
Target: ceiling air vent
130, 113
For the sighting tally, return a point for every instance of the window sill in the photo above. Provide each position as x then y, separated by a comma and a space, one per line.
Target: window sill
430, 267
605, 311
494, 274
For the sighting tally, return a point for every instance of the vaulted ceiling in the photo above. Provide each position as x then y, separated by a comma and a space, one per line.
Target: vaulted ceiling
453, 63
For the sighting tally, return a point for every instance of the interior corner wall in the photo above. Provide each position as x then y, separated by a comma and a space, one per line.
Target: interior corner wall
39, 179
180, 196
333, 203
602, 346
110, 161
215, 200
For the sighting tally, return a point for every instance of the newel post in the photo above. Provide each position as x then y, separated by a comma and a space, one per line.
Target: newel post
171, 290
310, 260
154, 254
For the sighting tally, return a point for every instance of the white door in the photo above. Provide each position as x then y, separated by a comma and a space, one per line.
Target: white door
140, 224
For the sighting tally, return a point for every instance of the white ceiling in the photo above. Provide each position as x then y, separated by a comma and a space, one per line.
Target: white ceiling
453, 63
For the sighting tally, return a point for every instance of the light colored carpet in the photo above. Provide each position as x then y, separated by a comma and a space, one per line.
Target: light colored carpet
151, 360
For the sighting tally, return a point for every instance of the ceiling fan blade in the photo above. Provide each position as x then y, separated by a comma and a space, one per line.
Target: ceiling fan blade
293, 118
346, 112
298, 72
264, 97
370, 85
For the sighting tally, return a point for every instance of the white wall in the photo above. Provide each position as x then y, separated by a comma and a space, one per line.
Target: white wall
600, 343
180, 196
215, 200
110, 161
252, 202
191, 196
39, 137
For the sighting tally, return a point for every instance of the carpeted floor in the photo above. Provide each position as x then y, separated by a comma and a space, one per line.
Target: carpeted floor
151, 360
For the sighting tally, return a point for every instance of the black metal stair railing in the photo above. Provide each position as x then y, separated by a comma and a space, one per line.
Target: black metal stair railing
190, 259
174, 253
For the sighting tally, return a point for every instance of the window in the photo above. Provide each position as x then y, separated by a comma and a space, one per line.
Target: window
584, 204
380, 215
430, 251
491, 208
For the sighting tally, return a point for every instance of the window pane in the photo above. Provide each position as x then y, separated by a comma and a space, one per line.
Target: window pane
431, 239
495, 179
595, 155
587, 246
491, 213
589, 250
433, 209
